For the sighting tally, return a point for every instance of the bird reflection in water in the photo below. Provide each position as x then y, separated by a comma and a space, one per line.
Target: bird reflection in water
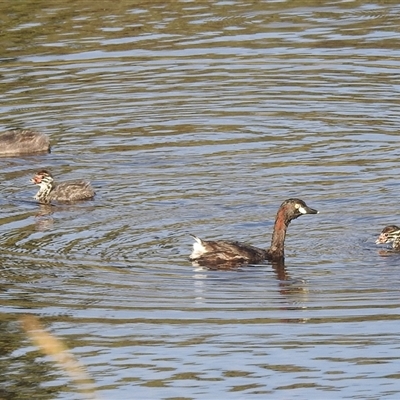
294, 290
44, 220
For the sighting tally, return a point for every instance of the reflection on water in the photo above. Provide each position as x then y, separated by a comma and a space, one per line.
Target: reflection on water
195, 119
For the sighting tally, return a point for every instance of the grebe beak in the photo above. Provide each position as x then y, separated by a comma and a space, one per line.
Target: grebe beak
308, 210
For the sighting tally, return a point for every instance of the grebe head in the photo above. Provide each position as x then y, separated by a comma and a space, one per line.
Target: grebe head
42, 177
296, 207
389, 234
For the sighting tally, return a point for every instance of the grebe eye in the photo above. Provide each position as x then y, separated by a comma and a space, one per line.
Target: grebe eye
297, 206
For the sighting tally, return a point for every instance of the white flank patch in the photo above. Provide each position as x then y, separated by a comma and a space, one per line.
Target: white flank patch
198, 248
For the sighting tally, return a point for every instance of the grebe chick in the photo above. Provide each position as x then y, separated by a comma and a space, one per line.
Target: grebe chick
63, 192
211, 253
390, 233
23, 141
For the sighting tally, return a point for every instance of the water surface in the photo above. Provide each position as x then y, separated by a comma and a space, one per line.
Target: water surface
196, 118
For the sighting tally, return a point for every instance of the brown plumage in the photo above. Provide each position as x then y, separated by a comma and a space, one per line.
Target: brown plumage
390, 233
230, 253
23, 141
65, 192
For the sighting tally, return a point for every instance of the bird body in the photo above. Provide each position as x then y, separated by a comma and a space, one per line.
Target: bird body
23, 141
223, 251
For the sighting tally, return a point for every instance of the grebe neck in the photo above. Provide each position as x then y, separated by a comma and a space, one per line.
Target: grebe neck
276, 251
45, 187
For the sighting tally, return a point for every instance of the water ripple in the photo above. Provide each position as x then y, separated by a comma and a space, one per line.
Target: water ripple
191, 119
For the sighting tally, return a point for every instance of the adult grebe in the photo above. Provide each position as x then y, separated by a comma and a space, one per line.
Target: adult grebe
212, 253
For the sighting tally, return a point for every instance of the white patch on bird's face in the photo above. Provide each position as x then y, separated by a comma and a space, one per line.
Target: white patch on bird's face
198, 250
301, 209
